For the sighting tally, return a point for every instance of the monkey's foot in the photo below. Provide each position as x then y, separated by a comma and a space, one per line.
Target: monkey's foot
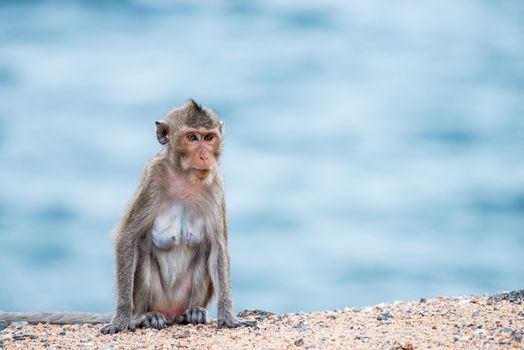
152, 320
195, 315
118, 326
234, 323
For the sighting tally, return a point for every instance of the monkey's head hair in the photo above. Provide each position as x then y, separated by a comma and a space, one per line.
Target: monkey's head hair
192, 115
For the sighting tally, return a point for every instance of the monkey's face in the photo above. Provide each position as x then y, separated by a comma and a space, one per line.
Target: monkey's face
193, 135
199, 148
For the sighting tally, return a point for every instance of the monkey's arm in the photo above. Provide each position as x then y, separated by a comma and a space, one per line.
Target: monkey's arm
134, 224
220, 275
126, 259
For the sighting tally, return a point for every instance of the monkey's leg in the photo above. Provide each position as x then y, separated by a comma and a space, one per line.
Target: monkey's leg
148, 287
152, 320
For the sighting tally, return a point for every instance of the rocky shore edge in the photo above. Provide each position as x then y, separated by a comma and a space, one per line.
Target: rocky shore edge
464, 322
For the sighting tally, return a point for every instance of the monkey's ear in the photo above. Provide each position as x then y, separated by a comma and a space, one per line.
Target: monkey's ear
162, 132
221, 126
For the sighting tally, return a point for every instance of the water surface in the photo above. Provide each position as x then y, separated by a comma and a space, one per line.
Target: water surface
374, 151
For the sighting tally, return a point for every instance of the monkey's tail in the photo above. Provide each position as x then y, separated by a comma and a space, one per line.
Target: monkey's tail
56, 317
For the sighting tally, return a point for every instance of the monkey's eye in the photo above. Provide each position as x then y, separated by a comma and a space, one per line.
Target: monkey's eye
209, 137
191, 137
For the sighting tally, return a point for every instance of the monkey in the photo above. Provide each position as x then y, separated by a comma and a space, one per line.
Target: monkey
171, 243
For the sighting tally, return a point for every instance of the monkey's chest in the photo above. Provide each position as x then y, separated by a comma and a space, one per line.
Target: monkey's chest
178, 224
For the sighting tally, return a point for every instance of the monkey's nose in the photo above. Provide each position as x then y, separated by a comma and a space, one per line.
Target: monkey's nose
203, 157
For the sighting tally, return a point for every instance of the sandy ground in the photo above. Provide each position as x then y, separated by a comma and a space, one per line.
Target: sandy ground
459, 323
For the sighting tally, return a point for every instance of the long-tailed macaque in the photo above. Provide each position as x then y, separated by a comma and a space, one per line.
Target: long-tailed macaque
171, 243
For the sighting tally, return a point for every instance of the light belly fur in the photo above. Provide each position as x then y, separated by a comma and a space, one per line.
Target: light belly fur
171, 282
168, 273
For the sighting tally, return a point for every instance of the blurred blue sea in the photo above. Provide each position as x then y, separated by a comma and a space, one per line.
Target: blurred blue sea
374, 150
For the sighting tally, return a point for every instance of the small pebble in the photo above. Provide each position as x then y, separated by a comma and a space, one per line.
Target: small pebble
464, 302
19, 324
384, 316
299, 342
17, 336
182, 333
260, 314
506, 330
361, 337
463, 338
479, 331
407, 346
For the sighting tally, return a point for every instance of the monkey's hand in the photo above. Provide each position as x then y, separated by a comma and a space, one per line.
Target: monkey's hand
118, 324
233, 322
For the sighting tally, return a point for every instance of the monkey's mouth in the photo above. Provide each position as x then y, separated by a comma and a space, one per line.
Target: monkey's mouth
201, 170
202, 166
201, 173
